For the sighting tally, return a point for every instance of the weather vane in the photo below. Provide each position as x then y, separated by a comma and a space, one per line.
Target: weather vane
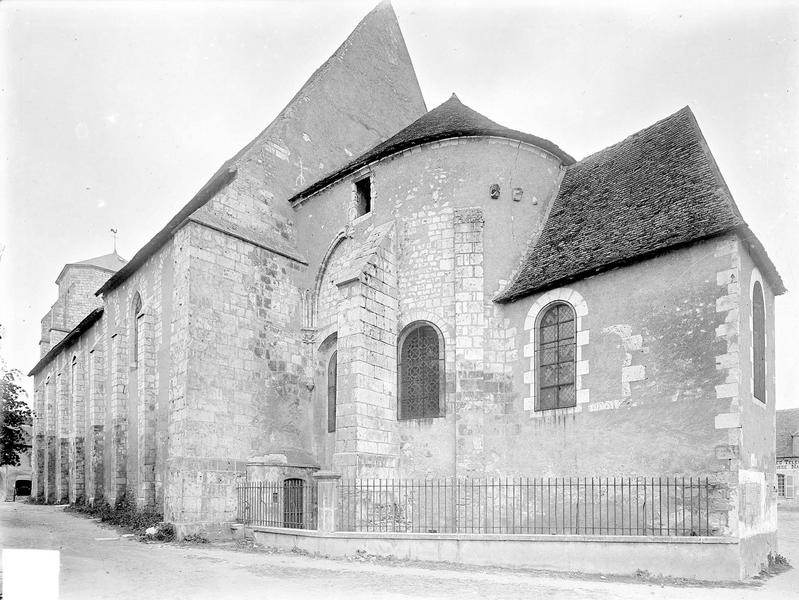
114, 233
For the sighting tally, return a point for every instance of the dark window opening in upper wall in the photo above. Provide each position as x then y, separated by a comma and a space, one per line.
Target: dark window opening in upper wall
363, 196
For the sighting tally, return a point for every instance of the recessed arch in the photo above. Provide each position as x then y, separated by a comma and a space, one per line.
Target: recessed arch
328, 361
338, 239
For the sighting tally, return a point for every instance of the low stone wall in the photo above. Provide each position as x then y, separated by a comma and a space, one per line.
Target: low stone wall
710, 559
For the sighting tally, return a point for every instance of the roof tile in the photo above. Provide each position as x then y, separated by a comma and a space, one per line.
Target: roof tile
656, 190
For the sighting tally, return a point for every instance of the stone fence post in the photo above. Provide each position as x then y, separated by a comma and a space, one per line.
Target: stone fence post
327, 486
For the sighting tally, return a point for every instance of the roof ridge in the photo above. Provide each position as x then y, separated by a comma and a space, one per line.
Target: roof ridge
450, 119
341, 49
634, 135
656, 190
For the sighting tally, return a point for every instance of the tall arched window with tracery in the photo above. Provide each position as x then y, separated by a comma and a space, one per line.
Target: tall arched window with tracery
758, 342
420, 372
556, 357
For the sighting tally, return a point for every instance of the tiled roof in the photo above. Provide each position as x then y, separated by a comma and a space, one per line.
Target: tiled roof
73, 335
108, 262
449, 120
787, 425
659, 189
112, 262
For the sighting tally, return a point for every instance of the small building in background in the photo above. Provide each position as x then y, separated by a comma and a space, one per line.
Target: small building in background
15, 481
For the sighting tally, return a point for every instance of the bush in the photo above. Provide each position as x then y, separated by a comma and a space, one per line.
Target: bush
777, 560
123, 514
162, 532
166, 532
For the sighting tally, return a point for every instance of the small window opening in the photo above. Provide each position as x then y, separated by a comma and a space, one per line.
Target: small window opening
363, 196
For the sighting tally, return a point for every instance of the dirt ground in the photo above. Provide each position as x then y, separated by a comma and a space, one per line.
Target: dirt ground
97, 563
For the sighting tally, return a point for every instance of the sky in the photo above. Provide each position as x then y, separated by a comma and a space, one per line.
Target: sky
113, 114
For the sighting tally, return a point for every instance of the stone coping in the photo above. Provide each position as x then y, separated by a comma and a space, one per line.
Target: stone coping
634, 539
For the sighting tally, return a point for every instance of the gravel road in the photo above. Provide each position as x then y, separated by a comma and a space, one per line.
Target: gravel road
97, 563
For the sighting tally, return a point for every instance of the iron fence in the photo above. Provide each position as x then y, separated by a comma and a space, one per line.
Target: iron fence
291, 503
654, 506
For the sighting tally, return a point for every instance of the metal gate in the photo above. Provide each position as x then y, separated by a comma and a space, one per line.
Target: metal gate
293, 503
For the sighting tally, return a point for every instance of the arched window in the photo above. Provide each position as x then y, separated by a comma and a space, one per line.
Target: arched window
759, 342
556, 358
137, 313
421, 372
332, 372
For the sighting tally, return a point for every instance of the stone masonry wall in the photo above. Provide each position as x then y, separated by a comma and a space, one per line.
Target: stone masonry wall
51, 437
248, 368
62, 428
647, 377
76, 289
61, 471
95, 424
244, 371
755, 500
644, 359
139, 387
421, 191
39, 443
366, 444
88, 432
470, 322
77, 433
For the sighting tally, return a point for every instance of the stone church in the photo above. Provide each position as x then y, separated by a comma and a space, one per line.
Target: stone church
382, 290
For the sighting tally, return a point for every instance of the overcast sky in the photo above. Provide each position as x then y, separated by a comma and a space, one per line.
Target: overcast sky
114, 114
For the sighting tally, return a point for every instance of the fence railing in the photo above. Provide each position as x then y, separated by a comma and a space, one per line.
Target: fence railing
292, 503
653, 506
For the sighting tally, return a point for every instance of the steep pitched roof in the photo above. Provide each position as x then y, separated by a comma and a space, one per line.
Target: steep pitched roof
659, 189
108, 262
448, 120
72, 336
331, 109
787, 425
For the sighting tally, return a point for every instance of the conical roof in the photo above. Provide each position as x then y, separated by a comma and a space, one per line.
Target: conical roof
449, 120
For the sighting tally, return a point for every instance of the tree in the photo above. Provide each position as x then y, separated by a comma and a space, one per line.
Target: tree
15, 414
